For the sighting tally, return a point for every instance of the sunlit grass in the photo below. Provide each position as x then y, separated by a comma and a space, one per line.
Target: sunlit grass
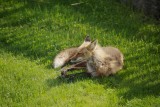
33, 32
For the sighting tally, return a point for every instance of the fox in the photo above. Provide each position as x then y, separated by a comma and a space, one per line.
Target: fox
100, 61
66, 55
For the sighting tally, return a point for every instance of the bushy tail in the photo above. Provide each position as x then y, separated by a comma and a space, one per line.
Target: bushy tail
58, 62
63, 57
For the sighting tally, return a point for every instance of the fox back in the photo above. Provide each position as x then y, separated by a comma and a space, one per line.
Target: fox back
101, 61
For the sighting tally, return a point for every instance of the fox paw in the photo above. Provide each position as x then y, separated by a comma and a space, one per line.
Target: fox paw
63, 72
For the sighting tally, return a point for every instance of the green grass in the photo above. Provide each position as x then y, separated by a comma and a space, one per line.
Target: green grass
32, 32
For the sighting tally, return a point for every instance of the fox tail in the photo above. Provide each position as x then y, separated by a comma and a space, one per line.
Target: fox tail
59, 61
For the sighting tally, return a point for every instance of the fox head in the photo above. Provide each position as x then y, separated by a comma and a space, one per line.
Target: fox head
84, 52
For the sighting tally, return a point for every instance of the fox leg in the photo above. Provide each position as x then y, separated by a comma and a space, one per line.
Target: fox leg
94, 74
80, 65
91, 70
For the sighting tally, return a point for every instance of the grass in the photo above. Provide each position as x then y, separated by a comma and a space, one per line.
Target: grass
32, 32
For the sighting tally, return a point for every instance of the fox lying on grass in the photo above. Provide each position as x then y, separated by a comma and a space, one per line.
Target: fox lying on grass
99, 61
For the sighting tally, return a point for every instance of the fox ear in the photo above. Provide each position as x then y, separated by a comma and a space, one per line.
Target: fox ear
93, 45
87, 39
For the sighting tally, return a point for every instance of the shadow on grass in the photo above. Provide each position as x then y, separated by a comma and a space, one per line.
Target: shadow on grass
7, 12
139, 86
82, 76
107, 15
18, 23
71, 78
128, 82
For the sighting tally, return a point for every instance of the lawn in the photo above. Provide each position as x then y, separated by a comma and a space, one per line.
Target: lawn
32, 32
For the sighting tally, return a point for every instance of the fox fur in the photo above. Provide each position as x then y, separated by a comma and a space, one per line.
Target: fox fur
100, 61
66, 55
63, 57
103, 63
